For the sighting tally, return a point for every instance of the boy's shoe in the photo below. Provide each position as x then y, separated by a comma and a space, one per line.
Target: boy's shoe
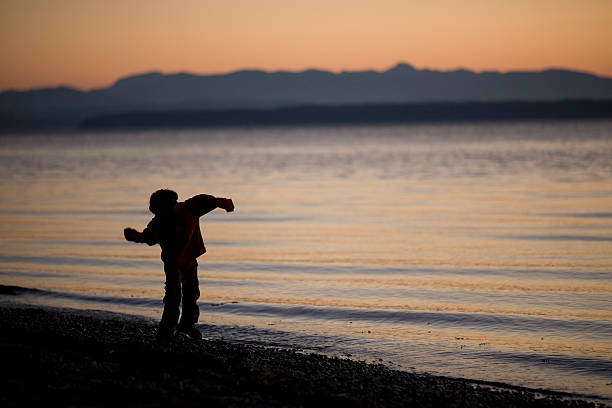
192, 332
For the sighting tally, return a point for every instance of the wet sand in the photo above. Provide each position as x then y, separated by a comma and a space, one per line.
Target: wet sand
68, 357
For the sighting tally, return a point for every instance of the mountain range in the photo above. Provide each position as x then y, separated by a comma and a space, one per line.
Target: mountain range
253, 89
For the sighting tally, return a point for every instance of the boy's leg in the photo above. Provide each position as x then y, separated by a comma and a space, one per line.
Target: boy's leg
172, 300
191, 293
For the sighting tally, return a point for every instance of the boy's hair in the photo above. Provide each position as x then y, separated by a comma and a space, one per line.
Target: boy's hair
162, 201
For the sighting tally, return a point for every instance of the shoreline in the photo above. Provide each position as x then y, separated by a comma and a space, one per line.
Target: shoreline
75, 357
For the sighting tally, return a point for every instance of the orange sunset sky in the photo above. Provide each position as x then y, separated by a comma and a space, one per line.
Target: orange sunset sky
89, 44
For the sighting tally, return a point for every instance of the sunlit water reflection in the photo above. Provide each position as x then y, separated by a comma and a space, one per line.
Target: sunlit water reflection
480, 251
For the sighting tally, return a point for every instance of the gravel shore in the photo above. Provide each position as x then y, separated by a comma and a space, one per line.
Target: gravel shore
97, 359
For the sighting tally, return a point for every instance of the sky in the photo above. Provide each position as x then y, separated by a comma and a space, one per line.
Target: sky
90, 44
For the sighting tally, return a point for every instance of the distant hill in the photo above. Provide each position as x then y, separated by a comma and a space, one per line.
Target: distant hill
157, 92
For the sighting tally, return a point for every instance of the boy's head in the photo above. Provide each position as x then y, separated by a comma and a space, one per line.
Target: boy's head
162, 201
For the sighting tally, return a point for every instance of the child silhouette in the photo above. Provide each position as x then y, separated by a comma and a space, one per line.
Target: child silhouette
176, 228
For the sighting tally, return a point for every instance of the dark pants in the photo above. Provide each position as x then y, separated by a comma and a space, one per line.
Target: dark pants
177, 278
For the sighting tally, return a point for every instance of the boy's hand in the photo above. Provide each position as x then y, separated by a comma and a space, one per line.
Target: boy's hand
229, 205
226, 203
130, 234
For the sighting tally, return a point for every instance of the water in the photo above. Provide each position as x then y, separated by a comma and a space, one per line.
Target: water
470, 250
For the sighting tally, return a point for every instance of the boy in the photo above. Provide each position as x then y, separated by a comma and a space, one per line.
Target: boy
176, 228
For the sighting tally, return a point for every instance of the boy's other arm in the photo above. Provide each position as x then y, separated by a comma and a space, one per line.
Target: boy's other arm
144, 237
204, 203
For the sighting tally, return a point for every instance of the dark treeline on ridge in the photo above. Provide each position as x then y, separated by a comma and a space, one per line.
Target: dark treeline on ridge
356, 114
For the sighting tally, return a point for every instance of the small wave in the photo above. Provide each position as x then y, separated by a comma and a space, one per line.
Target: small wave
320, 269
314, 269
497, 322
583, 238
16, 290
440, 319
73, 212
577, 364
19, 290
115, 243
79, 261
254, 218
579, 215
63, 242
37, 274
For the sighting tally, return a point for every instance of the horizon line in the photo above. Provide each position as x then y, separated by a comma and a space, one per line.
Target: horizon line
299, 71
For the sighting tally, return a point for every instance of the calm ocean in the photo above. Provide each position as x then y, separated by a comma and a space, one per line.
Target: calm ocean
480, 251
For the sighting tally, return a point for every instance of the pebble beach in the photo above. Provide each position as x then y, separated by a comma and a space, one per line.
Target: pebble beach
67, 357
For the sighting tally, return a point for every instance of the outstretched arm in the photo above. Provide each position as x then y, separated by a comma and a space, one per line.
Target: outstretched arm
145, 237
204, 203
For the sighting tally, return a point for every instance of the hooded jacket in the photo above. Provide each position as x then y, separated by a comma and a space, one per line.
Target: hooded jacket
178, 233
